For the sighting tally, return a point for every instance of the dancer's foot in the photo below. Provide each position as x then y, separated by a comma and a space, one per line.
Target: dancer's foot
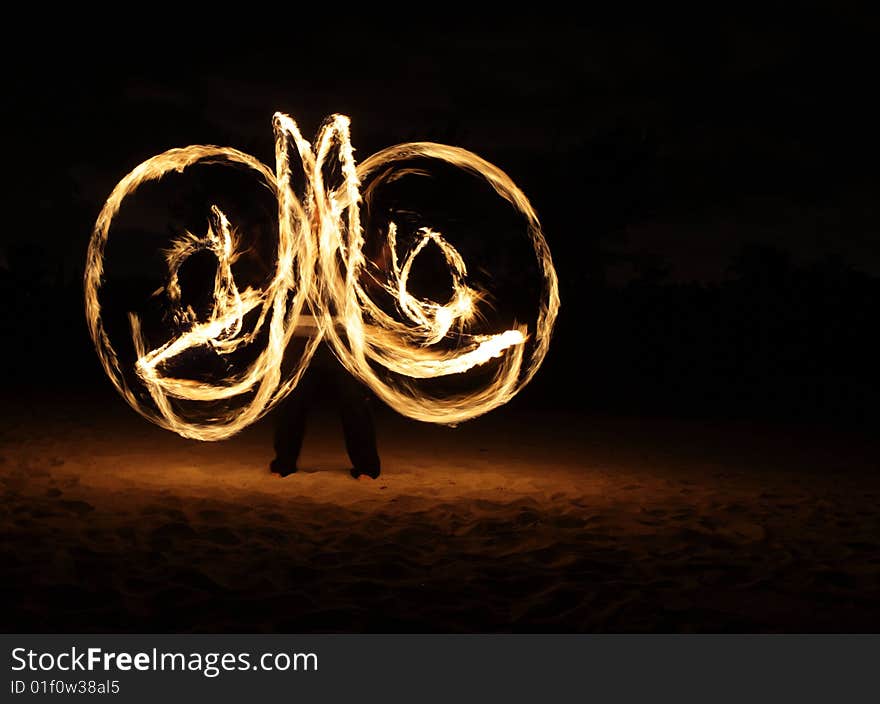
363, 474
281, 469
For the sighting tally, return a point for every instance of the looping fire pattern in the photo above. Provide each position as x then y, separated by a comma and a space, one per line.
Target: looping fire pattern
319, 271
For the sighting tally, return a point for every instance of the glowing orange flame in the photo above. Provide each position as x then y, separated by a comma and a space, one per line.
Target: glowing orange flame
318, 274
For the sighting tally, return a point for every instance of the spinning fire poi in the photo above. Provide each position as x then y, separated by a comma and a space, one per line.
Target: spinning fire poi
319, 275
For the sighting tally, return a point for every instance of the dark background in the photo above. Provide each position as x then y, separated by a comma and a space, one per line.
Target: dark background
707, 184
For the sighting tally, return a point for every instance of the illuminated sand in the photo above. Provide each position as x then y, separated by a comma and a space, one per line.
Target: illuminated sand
112, 524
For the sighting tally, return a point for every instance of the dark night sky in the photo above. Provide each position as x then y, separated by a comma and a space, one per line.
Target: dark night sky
679, 140
708, 184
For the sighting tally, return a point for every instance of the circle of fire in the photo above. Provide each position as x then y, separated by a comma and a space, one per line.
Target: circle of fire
318, 270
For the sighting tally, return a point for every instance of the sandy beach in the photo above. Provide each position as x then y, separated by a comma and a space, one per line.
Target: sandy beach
515, 522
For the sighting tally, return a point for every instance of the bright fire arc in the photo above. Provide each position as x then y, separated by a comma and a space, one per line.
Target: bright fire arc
317, 278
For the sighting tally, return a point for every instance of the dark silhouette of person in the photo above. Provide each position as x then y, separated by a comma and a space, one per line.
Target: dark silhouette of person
326, 376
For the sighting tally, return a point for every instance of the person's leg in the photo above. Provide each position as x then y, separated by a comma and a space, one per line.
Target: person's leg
357, 424
290, 424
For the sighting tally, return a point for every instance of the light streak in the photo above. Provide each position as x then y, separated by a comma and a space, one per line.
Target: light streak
318, 278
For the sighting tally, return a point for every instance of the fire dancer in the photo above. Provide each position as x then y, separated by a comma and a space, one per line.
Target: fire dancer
326, 376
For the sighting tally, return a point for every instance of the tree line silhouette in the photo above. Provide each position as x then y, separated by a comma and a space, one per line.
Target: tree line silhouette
774, 339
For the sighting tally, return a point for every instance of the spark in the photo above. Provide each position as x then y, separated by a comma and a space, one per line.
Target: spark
317, 286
